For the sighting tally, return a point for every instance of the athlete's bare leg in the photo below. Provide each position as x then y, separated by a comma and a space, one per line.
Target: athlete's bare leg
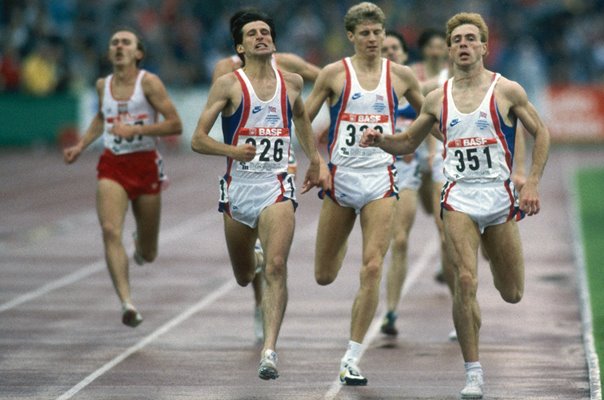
112, 205
402, 221
446, 266
425, 194
504, 247
376, 223
276, 232
462, 241
240, 240
147, 212
335, 224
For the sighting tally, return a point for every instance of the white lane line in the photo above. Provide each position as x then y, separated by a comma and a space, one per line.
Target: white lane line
374, 329
171, 235
200, 305
591, 355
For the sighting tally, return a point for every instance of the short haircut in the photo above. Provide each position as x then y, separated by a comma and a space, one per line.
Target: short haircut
471, 19
245, 16
427, 35
398, 36
363, 12
140, 46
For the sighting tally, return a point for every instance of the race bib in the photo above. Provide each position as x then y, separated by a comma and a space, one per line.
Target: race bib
476, 157
272, 149
351, 130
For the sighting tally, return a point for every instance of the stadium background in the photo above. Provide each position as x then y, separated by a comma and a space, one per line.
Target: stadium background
51, 52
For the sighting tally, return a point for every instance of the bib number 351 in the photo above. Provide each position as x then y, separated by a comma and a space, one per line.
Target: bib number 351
470, 159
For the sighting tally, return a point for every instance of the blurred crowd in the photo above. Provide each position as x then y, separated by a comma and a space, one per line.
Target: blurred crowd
49, 46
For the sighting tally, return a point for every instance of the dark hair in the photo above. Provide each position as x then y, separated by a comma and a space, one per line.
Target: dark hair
245, 16
400, 38
428, 35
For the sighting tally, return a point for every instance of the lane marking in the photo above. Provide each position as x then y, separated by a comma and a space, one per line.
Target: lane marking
414, 274
591, 355
200, 305
169, 236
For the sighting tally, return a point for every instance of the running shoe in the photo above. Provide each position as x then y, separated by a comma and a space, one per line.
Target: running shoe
350, 374
268, 366
453, 336
473, 388
130, 316
388, 327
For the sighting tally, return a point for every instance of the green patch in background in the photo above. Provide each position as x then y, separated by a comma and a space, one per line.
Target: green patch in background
590, 183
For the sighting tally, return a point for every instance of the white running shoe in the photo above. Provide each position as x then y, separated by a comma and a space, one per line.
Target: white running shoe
473, 388
268, 366
453, 336
130, 316
258, 324
350, 374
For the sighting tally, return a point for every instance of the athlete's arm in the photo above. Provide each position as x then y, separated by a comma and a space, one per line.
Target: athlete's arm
94, 131
294, 63
408, 141
519, 171
219, 98
527, 114
317, 173
321, 91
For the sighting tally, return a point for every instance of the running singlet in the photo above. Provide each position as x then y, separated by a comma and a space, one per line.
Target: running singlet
356, 110
264, 124
134, 111
479, 146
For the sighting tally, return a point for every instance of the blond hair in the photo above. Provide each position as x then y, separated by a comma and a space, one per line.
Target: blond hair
471, 19
363, 12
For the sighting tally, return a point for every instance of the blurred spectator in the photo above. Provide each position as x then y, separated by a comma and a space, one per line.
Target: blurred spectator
563, 38
9, 69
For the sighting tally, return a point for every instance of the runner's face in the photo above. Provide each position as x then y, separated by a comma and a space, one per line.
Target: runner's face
123, 49
257, 39
466, 48
392, 50
435, 50
367, 38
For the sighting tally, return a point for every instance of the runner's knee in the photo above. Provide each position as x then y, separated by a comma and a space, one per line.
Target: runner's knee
371, 273
467, 284
111, 232
511, 295
324, 276
276, 269
149, 255
400, 240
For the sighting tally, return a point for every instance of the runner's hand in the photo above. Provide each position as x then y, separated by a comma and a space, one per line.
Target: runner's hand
370, 138
244, 152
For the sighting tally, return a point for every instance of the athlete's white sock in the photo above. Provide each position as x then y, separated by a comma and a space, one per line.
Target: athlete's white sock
354, 350
473, 367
